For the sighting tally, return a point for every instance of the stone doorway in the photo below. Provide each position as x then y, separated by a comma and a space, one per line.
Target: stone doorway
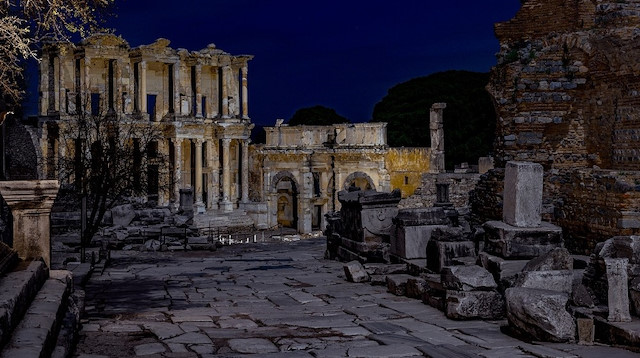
287, 194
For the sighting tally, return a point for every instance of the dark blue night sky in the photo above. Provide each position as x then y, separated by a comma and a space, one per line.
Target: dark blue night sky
340, 54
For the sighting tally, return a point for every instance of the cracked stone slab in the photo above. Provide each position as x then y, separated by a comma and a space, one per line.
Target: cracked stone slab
149, 349
252, 345
390, 351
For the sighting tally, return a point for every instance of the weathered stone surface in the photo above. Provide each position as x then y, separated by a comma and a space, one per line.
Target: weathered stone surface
123, 215
557, 280
586, 331
252, 346
556, 259
442, 253
416, 287
467, 278
148, 349
397, 284
539, 313
410, 242
508, 241
503, 271
580, 296
622, 247
634, 295
618, 290
449, 234
421, 217
522, 194
474, 305
30, 202
355, 272
385, 269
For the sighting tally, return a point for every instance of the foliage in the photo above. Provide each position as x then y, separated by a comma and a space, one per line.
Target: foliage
469, 119
316, 116
25, 23
106, 157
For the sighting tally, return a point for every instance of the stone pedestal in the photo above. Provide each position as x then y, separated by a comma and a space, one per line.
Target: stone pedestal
511, 242
186, 200
30, 203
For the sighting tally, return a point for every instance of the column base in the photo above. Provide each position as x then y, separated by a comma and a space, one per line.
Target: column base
226, 206
199, 208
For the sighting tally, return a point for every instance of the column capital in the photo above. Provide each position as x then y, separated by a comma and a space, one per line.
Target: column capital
198, 141
143, 65
176, 140
226, 141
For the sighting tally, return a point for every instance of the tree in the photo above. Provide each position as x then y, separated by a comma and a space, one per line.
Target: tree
26, 23
316, 116
469, 119
106, 157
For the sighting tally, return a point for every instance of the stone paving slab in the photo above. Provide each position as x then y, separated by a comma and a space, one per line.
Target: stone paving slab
269, 301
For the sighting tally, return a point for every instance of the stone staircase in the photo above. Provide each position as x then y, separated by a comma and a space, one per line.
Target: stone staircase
34, 309
218, 218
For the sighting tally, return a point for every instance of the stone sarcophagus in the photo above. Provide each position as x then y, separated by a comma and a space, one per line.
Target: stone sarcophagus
367, 215
362, 228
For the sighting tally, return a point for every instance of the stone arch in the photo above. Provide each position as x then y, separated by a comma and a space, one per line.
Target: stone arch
281, 175
285, 189
359, 179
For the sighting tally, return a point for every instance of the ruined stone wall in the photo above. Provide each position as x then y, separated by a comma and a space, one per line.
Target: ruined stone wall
590, 205
405, 167
566, 84
460, 187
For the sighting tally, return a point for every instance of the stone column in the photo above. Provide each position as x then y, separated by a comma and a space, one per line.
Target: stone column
143, 86
30, 202
177, 174
618, 292
177, 106
225, 91
199, 205
198, 93
226, 175
522, 203
118, 104
62, 97
437, 138
44, 87
214, 179
44, 150
245, 94
245, 171
86, 90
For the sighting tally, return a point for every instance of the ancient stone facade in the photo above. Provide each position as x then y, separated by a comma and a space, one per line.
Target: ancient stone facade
566, 88
301, 169
198, 100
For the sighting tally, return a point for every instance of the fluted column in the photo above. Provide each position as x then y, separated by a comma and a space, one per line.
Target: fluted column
177, 167
245, 93
245, 171
143, 86
198, 189
226, 175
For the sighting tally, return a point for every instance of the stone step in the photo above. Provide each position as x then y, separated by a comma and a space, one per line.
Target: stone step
37, 332
17, 290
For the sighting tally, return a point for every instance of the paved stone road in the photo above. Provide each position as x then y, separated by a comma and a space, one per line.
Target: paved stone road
275, 300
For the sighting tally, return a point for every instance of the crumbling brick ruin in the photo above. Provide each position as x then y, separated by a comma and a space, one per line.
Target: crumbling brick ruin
566, 89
